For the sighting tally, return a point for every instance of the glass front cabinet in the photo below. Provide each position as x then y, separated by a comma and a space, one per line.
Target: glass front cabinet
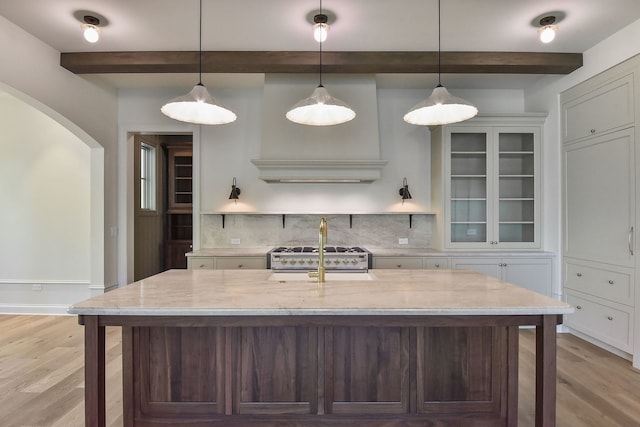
490, 180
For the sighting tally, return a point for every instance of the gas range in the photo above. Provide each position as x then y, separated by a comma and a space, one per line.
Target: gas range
305, 258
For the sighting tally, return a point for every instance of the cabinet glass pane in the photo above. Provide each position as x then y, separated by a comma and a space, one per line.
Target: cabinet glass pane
468, 188
468, 211
516, 187
468, 233
516, 232
468, 142
516, 211
468, 163
515, 154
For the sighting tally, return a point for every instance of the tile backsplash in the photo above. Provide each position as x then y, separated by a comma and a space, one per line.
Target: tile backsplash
366, 230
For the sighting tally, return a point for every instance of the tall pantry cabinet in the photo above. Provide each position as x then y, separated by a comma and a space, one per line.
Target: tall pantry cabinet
600, 191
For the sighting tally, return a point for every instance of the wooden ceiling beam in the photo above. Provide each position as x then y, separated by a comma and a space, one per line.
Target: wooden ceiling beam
363, 62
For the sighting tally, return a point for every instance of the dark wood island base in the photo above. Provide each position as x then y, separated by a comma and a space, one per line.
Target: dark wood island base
432, 370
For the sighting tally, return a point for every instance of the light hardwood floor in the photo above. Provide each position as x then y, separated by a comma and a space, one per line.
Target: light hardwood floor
41, 378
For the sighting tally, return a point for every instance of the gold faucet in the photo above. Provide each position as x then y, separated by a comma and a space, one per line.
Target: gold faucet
322, 240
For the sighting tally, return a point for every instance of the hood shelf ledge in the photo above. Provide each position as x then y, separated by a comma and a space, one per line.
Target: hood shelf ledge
319, 171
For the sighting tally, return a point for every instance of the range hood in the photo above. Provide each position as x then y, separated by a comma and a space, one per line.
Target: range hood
294, 153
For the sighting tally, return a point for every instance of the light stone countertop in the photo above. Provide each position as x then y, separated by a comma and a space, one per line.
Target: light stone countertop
252, 293
396, 252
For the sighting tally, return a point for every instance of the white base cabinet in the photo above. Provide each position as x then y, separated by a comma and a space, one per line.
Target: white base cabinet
534, 274
226, 262
413, 262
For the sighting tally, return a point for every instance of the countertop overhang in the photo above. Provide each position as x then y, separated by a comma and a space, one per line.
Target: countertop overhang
251, 293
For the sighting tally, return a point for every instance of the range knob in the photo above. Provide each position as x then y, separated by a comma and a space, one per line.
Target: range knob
300, 261
284, 261
345, 261
309, 261
354, 261
336, 261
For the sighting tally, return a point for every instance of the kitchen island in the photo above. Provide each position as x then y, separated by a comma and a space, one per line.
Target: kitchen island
384, 348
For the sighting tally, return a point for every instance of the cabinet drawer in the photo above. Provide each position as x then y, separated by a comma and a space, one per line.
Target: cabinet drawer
611, 285
234, 263
398, 262
436, 263
599, 320
603, 109
200, 263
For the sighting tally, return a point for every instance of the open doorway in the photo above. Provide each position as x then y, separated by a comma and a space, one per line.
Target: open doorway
163, 196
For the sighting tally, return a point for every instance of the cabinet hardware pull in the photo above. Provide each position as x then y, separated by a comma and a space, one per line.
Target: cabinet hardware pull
239, 265
593, 131
579, 274
611, 282
629, 241
437, 265
609, 317
579, 307
399, 265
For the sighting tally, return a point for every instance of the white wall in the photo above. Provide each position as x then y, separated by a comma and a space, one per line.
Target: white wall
45, 219
31, 72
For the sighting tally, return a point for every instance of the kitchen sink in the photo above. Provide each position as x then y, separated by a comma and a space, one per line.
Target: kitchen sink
329, 276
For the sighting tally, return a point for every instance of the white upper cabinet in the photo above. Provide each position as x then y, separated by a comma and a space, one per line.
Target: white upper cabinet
603, 108
490, 190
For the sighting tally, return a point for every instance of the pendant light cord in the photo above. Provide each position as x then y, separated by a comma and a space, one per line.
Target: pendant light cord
320, 71
439, 60
200, 48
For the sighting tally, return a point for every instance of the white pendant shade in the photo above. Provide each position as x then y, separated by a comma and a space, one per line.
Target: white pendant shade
198, 107
320, 109
440, 108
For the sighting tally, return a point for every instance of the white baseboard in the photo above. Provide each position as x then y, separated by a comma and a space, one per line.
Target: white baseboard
50, 297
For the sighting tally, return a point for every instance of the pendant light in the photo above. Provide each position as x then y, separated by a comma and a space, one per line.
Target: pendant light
198, 106
320, 109
441, 107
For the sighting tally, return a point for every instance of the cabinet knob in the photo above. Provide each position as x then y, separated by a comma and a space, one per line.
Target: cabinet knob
201, 265
437, 265
398, 265
592, 131
611, 282
239, 265
579, 307
579, 274
610, 317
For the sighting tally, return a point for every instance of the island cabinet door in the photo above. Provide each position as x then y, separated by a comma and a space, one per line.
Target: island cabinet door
276, 370
464, 370
367, 370
173, 371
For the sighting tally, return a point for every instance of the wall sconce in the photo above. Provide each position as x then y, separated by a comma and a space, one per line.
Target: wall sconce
404, 191
90, 28
235, 191
547, 30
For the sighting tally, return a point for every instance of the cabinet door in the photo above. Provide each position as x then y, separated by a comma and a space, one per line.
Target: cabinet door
516, 207
488, 266
605, 108
533, 274
436, 263
180, 180
200, 263
234, 263
599, 199
398, 262
467, 217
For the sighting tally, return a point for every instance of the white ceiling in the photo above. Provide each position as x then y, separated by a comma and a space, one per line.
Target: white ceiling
403, 25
